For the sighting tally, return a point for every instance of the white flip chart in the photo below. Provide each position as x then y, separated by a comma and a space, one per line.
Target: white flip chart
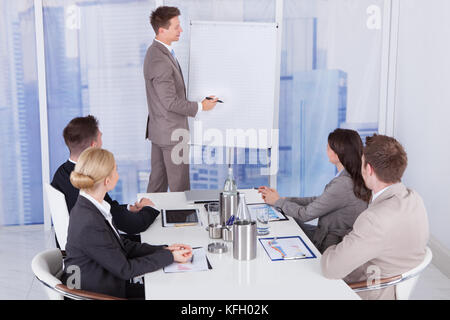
237, 62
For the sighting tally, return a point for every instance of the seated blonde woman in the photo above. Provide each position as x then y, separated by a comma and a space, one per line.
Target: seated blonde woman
105, 261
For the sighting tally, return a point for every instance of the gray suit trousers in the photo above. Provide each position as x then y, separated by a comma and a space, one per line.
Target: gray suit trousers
165, 173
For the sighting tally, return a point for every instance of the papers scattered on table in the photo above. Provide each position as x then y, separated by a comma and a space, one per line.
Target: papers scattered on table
286, 248
274, 215
199, 263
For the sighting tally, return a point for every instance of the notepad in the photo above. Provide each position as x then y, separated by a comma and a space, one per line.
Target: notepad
286, 248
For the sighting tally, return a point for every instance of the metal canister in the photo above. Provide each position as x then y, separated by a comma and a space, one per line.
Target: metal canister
227, 233
228, 206
244, 240
215, 231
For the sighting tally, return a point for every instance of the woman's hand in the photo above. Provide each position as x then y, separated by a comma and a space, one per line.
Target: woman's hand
181, 252
179, 246
182, 256
269, 195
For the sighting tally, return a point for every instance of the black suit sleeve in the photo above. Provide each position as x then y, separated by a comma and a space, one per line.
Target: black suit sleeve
99, 244
137, 249
131, 222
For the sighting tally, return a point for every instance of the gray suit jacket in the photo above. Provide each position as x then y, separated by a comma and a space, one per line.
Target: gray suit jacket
168, 107
389, 238
337, 209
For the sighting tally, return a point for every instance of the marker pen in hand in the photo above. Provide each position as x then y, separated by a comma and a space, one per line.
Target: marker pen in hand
208, 98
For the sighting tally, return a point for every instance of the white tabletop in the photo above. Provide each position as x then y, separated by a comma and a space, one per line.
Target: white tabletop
229, 278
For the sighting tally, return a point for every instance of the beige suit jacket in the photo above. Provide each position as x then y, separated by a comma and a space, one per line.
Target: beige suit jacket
168, 107
388, 239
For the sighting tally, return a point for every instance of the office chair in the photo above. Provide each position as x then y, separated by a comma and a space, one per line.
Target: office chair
404, 283
47, 266
60, 214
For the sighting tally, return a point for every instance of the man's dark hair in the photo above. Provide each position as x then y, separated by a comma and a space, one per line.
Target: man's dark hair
79, 133
386, 156
161, 16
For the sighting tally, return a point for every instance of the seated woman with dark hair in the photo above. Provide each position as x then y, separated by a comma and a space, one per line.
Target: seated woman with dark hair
343, 199
106, 262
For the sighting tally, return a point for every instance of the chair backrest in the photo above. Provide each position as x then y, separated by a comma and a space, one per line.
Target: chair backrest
47, 266
60, 215
404, 283
404, 289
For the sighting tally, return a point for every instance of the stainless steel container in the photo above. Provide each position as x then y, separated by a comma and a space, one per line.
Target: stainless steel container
227, 233
244, 240
228, 206
217, 247
215, 231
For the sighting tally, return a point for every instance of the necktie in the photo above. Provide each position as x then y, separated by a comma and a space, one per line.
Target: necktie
173, 54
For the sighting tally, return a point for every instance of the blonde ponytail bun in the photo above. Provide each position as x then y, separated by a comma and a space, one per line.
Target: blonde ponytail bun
81, 181
93, 166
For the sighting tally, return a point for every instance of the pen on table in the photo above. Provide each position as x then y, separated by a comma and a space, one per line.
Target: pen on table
186, 224
208, 98
294, 258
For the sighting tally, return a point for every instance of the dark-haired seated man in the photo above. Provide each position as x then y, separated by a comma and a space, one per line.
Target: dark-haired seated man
80, 134
390, 237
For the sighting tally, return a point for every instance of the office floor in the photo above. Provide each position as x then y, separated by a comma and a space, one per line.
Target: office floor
18, 245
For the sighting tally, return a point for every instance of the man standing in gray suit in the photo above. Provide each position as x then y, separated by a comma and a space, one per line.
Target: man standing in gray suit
168, 107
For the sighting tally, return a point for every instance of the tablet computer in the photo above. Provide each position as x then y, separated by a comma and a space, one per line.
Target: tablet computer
180, 217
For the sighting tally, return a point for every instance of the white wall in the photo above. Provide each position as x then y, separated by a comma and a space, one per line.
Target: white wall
422, 106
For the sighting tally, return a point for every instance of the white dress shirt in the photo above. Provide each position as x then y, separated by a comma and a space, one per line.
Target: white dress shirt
376, 195
200, 107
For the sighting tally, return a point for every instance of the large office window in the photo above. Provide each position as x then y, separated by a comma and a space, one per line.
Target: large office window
94, 56
20, 160
94, 52
330, 78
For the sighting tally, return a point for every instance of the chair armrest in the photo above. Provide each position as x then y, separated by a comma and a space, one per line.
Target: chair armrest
82, 294
363, 285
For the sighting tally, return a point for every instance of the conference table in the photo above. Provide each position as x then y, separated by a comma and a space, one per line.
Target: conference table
257, 279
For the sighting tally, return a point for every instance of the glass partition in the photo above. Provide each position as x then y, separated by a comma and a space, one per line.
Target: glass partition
20, 147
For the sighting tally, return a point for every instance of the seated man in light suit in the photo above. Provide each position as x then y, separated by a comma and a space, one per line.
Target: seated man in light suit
390, 237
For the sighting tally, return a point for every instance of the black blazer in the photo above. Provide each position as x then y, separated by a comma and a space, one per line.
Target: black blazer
123, 219
106, 262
